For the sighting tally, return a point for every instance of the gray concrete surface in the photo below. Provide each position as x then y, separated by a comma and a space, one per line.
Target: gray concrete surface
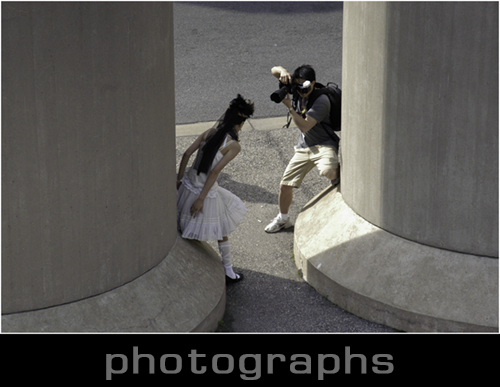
392, 280
184, 293
420, 113
420, 158
85, 167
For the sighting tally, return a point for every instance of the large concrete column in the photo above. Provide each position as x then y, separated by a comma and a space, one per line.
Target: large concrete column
88, 148
421, 121
412, 241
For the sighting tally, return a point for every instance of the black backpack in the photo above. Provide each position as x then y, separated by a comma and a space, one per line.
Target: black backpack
334, 94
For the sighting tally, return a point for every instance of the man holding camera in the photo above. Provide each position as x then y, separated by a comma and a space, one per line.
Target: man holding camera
315, 146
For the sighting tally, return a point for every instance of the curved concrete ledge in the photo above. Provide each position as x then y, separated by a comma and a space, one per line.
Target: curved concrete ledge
186, 292
390, 280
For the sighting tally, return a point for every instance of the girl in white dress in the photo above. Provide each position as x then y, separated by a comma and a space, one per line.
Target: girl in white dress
206, 211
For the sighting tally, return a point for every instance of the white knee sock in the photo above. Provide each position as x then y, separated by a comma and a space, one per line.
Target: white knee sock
225, 253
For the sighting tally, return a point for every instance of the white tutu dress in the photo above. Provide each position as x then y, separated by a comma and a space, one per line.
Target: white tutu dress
222, 210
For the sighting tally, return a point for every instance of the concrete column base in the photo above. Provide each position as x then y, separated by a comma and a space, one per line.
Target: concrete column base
390, 280
186, 292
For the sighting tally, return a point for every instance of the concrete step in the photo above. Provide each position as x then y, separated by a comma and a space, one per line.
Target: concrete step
390, 280
186, 292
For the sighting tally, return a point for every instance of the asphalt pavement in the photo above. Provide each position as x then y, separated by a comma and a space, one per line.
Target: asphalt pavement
227, 48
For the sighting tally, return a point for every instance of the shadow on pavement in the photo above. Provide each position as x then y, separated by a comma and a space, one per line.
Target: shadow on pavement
275, 6
267, 303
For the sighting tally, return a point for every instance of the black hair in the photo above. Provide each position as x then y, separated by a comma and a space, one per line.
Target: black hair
238, 111
304, 72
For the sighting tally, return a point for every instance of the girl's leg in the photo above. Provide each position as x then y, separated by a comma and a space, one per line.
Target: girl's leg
225, 253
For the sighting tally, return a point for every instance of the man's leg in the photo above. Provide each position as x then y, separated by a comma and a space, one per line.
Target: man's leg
285, 198
331, 174
297, 168
327, 163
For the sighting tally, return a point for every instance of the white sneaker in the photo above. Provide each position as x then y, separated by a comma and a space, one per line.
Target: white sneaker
277, 224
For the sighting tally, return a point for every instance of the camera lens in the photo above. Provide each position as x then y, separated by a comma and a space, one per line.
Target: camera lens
278, 95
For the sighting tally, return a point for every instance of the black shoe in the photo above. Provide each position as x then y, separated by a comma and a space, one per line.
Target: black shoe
230, 280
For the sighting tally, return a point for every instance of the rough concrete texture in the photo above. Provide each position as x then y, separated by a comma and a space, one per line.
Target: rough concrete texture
390, 280
186, 292
87, 171
420, 120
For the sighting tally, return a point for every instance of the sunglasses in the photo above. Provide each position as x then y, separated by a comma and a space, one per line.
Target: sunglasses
303, 88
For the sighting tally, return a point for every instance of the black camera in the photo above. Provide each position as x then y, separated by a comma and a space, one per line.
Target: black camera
283, 90
293, 88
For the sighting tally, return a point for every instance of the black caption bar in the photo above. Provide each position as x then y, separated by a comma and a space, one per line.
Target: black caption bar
183, 358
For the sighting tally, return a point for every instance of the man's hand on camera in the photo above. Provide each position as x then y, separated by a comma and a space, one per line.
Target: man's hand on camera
285, 77
287, 101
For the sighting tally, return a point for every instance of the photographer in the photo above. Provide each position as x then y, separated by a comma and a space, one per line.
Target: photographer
315, 147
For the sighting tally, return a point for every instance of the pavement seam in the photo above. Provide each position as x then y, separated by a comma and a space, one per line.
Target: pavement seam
197, 128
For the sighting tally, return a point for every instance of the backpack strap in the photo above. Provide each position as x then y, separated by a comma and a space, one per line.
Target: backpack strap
288, 116
319, 89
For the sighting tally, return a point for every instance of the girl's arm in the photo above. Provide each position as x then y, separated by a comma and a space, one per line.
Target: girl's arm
229, 153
